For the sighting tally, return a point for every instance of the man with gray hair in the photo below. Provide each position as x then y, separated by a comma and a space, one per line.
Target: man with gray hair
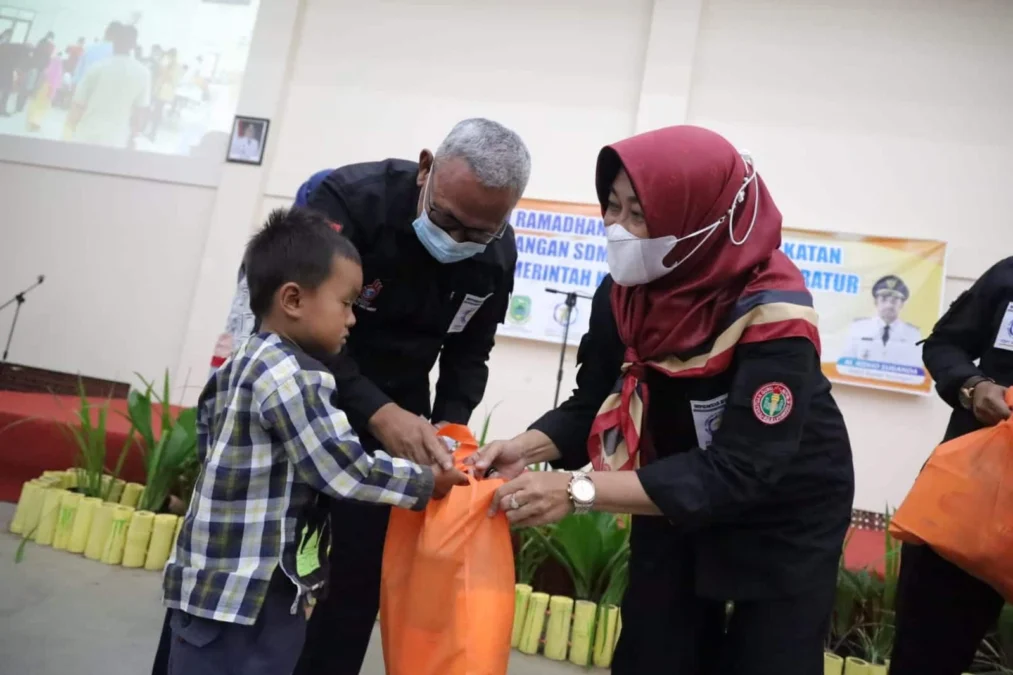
438, 259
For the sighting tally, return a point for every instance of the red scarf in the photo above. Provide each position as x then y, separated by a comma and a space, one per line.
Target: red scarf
688, 323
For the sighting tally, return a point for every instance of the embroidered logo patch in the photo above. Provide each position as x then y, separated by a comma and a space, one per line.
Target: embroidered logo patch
369, 295
336, 227
772, 403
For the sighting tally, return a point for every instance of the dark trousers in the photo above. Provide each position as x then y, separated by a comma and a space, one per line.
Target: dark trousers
269, 647
341, 625
943, 613
695, 637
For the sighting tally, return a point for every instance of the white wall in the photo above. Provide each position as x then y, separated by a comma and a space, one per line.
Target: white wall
886, 117
118, 255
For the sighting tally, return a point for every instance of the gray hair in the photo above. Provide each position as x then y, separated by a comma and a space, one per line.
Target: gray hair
497, 156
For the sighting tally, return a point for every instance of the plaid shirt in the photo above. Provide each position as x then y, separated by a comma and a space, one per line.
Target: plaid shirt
269, 439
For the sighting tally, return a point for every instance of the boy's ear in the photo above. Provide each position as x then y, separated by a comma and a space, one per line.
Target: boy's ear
290, 297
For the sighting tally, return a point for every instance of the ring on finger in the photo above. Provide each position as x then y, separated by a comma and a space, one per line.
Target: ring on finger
513, 503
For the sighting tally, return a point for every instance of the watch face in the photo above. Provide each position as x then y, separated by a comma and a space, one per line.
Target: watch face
583, 490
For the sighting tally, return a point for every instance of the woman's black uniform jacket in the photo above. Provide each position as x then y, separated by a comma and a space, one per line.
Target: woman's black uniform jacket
762, 513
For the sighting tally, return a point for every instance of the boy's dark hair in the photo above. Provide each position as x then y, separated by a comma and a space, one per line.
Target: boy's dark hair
295, 245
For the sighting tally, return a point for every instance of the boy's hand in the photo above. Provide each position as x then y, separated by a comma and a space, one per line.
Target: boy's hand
446, 480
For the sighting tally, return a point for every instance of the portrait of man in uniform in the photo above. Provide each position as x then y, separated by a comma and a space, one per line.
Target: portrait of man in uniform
885, 338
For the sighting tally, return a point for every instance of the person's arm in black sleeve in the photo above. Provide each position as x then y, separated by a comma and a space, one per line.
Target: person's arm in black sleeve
960, 337
599, 359
756, 443
357, 395
464, 369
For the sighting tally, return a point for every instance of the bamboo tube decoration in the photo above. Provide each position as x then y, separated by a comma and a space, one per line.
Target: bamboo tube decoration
33, 509
116, 542
72, 478
29, 491
82, 524
856, 666
105, 489
522, 593
62, 481
49, 516
832, 664
877, 669
135, 549
163, 536
534, 622
131, 494
116, 491
175, 537
606, 635
101, 524
65, 522
580, 638
557, 633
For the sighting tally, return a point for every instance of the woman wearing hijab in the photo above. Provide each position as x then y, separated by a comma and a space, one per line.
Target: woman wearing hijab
702, 408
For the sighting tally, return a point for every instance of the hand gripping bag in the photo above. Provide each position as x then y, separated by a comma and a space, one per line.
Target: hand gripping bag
447, 585
962, 505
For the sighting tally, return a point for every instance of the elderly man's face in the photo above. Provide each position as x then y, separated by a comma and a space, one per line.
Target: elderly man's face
888, 306
458, 203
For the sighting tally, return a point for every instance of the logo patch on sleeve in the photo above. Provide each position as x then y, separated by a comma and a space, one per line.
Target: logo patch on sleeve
772, 403
336, 227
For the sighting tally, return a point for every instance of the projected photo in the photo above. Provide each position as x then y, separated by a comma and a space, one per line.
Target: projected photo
149, 75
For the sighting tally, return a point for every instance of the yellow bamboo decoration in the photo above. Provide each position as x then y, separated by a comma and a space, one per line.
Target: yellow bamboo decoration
534, 622
522, 593
580, 638
49, 516
877, 669
135, 549
116, 491
832, 664
557, 634
72, 478
101, 524
29, 491
112, 552
105, 490
131, 494
82, 524
163, 535
606, 635
61, 478
856, 666
65, 521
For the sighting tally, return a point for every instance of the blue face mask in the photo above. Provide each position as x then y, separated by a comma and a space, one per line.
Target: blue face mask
441, 245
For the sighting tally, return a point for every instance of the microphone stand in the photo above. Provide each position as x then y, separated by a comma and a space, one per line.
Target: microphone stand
20, 300
570, 302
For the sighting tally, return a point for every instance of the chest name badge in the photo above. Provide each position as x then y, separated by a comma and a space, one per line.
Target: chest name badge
1004, 339
707, 418
772, 403
470, 305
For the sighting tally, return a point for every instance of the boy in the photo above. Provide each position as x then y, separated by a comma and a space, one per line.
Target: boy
269, 439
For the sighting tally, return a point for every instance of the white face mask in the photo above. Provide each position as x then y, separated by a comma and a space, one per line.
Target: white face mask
634, 261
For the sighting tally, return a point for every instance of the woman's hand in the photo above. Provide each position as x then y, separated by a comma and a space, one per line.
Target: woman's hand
534, 498
509, 458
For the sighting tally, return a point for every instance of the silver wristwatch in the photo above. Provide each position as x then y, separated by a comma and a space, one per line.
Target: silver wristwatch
581, 491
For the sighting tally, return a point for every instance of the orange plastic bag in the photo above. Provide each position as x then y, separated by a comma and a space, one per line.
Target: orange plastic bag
962, 505
447, 586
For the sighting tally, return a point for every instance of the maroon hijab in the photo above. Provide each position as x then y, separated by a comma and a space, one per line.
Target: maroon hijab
686, 179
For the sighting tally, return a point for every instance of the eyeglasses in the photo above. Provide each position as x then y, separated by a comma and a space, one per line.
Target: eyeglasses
450, 224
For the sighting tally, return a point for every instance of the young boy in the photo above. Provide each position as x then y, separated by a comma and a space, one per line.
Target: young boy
269, 439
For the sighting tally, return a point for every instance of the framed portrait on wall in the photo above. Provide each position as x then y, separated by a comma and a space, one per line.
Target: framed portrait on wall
249, 135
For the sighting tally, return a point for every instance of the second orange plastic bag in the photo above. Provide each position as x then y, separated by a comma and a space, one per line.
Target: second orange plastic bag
962, 505
447, 587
